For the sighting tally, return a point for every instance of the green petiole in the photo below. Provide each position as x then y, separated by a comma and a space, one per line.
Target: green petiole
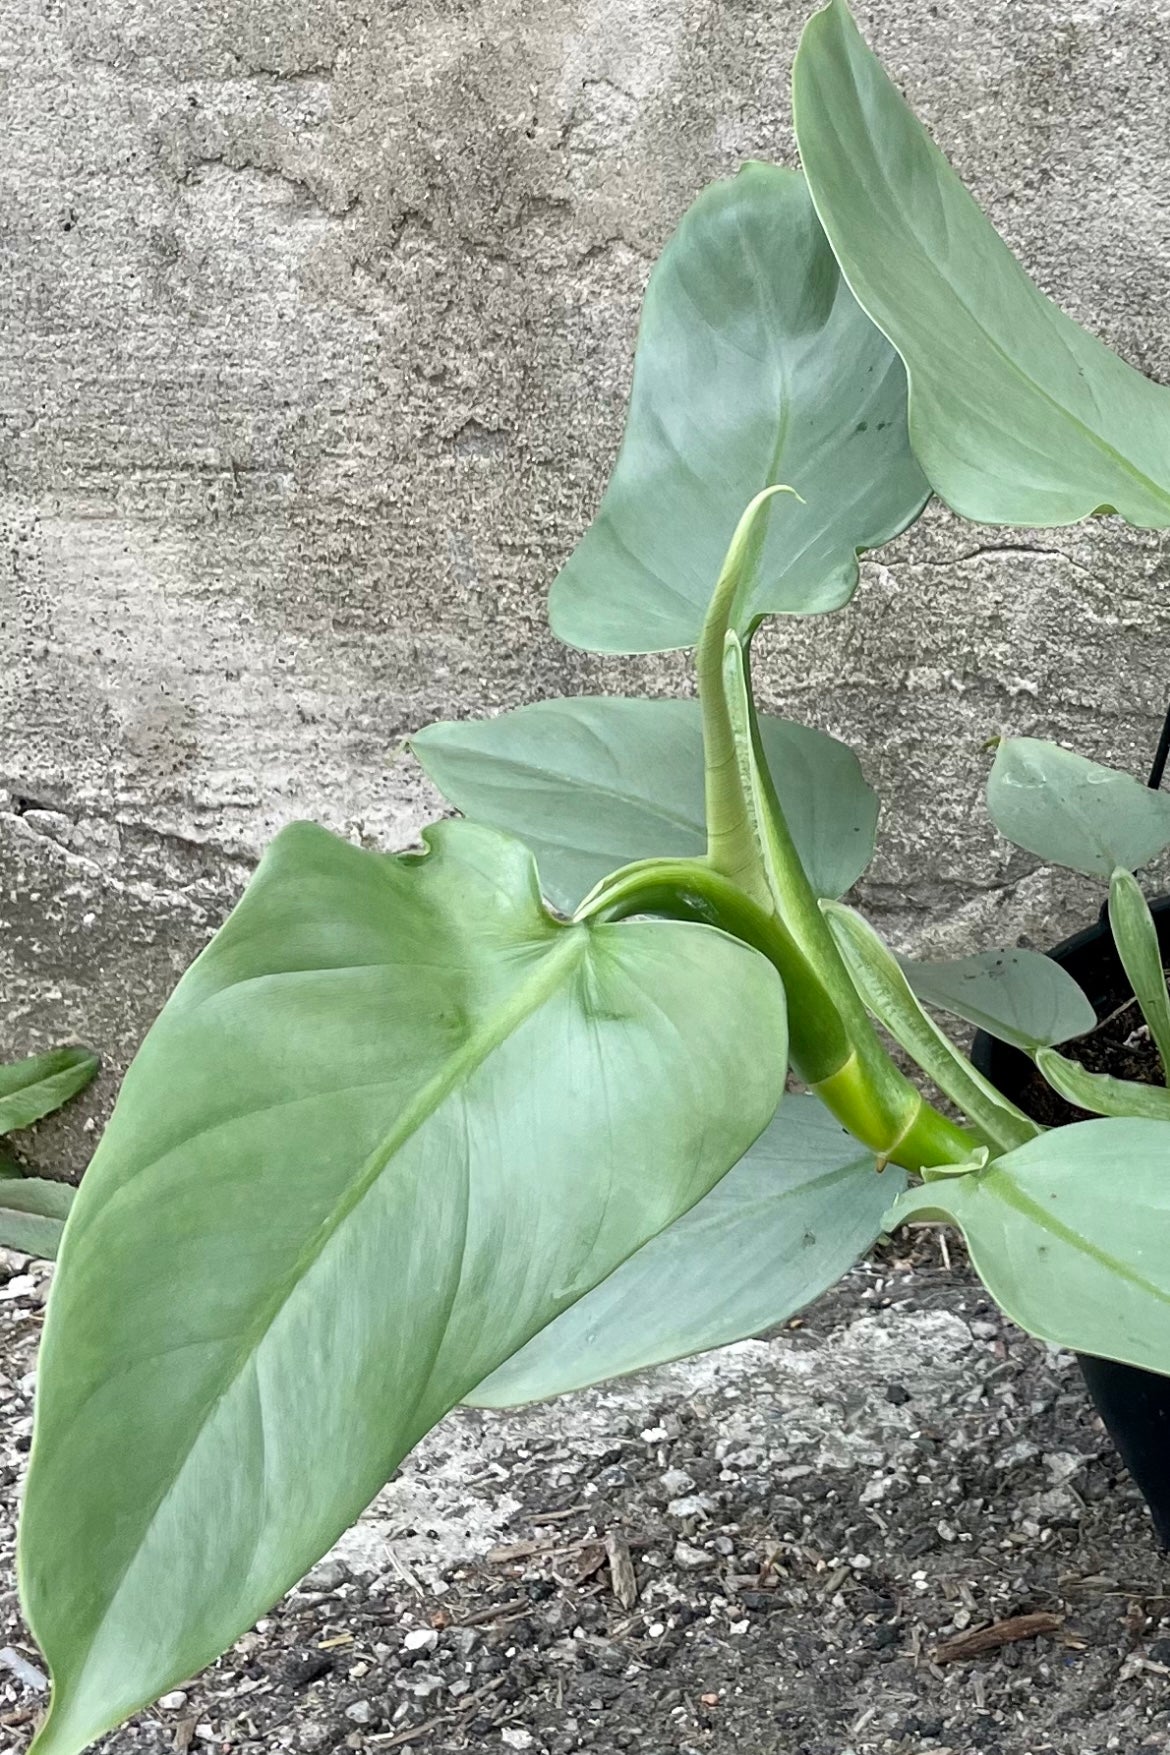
892, 1001
1136, 938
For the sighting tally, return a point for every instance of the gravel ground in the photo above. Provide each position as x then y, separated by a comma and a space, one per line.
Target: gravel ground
788, 1546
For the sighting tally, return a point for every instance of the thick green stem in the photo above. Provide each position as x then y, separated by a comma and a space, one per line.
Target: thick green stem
687, 889
889, 1094
835, 1048
911, 1134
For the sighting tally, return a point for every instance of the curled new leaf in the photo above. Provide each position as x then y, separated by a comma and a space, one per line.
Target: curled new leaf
1136, 936
883, 984
1016, 414
393, 1121
755, 366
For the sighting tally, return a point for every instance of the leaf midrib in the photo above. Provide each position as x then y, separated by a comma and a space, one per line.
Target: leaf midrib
998, 1183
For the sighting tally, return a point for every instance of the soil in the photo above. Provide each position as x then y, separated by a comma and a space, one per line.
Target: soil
771, 1550
1120, 1045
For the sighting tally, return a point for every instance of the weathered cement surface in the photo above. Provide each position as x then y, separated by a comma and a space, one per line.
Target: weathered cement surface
315, 330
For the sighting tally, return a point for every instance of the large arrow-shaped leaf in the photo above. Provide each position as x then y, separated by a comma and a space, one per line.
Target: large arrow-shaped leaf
1016, 414
594, 784
1071, 1235
754, 366
393, 1121
794, 1214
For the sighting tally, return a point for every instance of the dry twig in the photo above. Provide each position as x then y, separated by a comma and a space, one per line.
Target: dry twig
990, 1638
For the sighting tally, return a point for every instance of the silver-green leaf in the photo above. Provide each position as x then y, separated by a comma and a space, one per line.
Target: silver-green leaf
596, 783
393, 1121
1071, 1235
1017, 415
754, 367
796, 1212
1073, 812
1020, 997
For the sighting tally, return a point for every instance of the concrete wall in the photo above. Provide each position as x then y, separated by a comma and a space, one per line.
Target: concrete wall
316, 329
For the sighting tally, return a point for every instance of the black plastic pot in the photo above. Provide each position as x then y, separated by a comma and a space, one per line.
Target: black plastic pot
1134, 1404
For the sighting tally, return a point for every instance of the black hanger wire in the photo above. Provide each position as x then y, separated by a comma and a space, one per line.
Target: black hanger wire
1161, 755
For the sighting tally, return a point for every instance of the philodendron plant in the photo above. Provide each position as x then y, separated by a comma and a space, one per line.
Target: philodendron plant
507, 1116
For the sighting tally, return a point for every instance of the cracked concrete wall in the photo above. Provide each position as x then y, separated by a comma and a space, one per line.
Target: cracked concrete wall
316, 332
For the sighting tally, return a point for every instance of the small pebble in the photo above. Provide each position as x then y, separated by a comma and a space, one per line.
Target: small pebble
20, 1286
325, 1577
693, 1505
175, 1701
29, 1674
424, 1685
421, 1639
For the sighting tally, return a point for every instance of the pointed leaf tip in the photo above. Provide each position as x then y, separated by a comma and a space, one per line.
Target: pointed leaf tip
394, 1120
